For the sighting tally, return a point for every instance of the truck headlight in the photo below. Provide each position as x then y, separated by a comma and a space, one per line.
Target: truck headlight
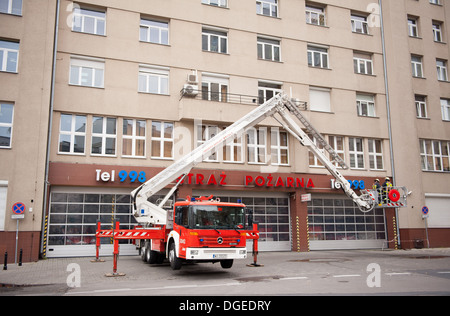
242, 252
194, 252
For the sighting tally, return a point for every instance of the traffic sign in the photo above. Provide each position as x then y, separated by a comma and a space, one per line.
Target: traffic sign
18, 208
425, 210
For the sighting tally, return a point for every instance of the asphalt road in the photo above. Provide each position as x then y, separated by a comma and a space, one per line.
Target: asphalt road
348, 273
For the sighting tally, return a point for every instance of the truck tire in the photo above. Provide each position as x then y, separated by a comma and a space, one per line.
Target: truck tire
175, 262
226, 264
150, 256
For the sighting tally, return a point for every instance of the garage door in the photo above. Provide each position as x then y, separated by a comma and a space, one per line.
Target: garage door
337, 223
439, 206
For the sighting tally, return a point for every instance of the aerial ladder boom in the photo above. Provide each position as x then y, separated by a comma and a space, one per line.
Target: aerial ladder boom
147, 213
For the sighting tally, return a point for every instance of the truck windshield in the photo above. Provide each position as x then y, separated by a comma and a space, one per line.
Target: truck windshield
217, 217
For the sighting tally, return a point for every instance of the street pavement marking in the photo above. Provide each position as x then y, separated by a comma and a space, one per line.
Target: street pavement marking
444, 272
293, 278
346, 275
398, 273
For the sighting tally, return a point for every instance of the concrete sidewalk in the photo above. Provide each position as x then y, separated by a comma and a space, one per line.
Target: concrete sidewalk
53, 275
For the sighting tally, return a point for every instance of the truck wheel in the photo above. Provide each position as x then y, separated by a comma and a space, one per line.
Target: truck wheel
175, 262
226, 264
150, 256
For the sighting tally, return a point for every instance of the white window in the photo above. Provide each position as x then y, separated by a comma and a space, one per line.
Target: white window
337, 143
376, 154
89, 21
362, 63
437, 31
72, 134
3, 199
6, 124
256, 145
87, 72
269, 49
434, 155
9, 56
218, 3
214, 41
413, 29
435, 1
215, 87
11, 7
359, 24
417, 69
317, 56
104, 136
233, 152
421, 106
279, 147
319, 99
267, 7
267, 91
162, 140
441, 66
365, 105
356, 151
134, 135
315, 15
313, 160
153, 79
445, 109
154, 32
205, 133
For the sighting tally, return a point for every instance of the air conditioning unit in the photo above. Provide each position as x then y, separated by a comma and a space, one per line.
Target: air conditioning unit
192, 79
190, 90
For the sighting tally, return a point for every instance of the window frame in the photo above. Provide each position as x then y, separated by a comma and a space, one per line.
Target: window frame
361, 60
365, 105
95, 66
413, 27
441, 67
105, 136
6, 55
264, 43
262, 4
7, 125
134, 138
149, 73
205, 132
417, 66
420, 102
445, 109
323, 54
161, 27
82, 14
374, 155
319, 12
258, 145
222, 40
357, 19
163, 140
431, 158
10, 8
73, 133
277, 149
437, 32
219, 3
356, 154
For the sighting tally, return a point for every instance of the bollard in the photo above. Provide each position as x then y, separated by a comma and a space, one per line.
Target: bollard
20, 257
5, 265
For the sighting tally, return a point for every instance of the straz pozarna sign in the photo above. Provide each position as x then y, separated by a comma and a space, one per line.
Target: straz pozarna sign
212, 179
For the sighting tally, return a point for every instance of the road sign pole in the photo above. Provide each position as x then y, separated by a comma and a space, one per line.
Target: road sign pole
17, 241
425, 212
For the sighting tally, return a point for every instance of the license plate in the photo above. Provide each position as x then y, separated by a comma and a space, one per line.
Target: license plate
220, 256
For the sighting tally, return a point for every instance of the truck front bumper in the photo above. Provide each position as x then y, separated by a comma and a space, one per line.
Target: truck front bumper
215, 253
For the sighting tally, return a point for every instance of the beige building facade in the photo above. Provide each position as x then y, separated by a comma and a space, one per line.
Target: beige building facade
139, 84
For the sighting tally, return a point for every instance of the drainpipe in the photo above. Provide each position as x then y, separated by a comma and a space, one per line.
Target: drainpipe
50, 124
388, 107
